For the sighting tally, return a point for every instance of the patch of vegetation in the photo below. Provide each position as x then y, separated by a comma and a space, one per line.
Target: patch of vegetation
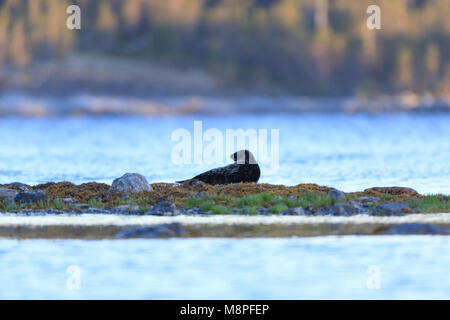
58, 205
252, 211
431, 203
96, 203
222, 204
253, 200
217, 209
278, 208
143, 209
8, 206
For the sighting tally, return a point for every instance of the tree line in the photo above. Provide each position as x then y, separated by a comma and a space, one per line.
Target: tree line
313, 47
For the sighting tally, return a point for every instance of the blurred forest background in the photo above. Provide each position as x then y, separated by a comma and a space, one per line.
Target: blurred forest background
306, 47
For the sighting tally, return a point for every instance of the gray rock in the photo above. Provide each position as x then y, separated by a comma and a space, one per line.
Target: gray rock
160, 230
294, 212
31, 196
19, 185
336, 194
324, 211
363, 208
344, 209
193, 211
292, 197
389, 209
127, 209
416, 228
130, 183
368, 200
66, 200
7, 194
163, 209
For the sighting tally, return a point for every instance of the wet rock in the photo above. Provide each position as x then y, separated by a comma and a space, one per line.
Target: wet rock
127, 209
389, 209
193, 211
160, 230
416, 228
7, 194
31, 196
368, 200
294, 212
96, 211
336, 194
163, 209
130, 183
363, 208
344, 209
324, 211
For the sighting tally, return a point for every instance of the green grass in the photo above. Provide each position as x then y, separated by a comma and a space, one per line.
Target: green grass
278, 208
58, 205
217, 209
95, 203
222, 204
253, 200
143, 209
252, 211
7, 206
431, 203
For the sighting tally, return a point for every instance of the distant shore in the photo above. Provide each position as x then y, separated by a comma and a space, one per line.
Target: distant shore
22, 103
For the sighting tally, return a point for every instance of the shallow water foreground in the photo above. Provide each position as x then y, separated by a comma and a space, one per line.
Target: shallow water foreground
350, 267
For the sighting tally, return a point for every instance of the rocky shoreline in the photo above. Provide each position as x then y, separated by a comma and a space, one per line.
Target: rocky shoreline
131, 194
301, 210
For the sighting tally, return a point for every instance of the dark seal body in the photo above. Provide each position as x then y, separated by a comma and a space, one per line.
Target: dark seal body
244, 169
233, 173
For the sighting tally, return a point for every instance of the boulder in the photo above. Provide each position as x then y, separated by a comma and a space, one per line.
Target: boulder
416, 228
344, 209
367, 200
389, 209
160, 230
31, 196
130, 183
336, 194
7, 194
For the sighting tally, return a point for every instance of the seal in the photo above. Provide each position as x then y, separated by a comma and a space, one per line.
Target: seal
244, 169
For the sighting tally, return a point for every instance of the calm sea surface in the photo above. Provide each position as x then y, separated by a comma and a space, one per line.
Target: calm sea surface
352, 267
348, 152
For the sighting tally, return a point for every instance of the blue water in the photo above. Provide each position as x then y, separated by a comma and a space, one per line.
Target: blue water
349, 152
352, 267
